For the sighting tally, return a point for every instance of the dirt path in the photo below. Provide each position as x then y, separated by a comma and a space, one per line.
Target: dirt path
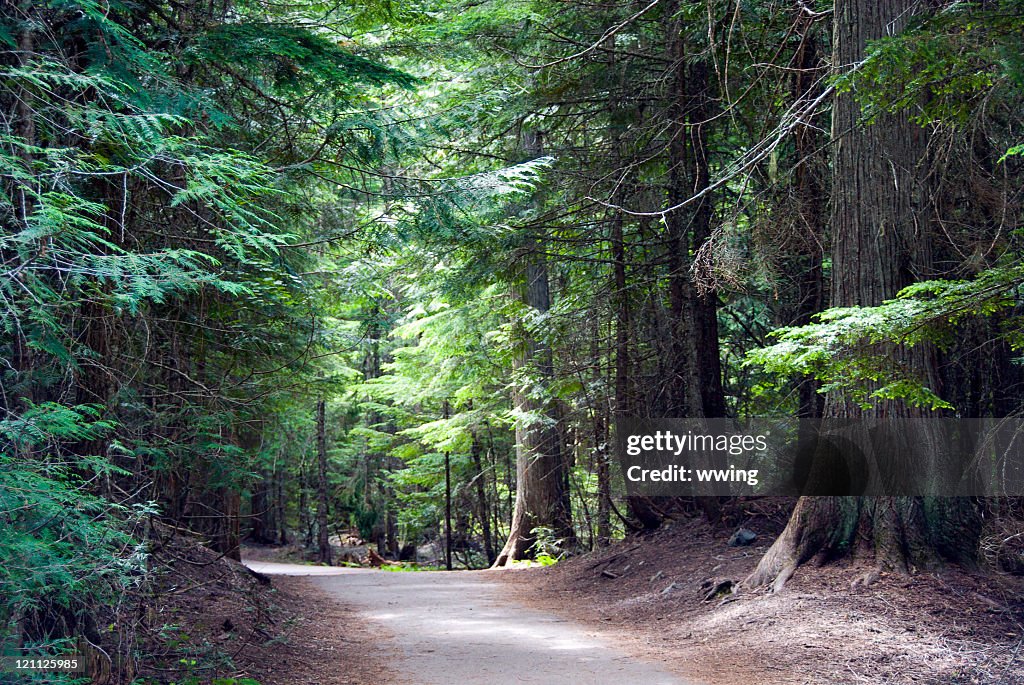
458, 628
272, 568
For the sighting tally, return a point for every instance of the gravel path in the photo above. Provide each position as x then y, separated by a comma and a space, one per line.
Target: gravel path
458, 629
271, 568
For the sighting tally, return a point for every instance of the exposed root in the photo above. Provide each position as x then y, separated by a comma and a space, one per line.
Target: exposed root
868, 578
776, 567
784, 575
896, 534
805, 535
716, 590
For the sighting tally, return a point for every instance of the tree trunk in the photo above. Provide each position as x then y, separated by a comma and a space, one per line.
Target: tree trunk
262, 528
305, 521
541, 500
604, 481
879, 238
481, 496
541, 497
231, 536
322, 533
708, 358
696, 357
639, 507
447, 511
687, 170
280, 504
447, 503
809, 189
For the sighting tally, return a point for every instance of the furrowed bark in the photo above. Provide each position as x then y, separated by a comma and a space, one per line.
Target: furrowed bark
880, 239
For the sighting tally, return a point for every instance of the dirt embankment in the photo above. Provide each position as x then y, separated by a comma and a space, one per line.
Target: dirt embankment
937, 628
204, 617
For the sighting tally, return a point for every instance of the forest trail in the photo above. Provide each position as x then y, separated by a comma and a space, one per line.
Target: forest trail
458, 627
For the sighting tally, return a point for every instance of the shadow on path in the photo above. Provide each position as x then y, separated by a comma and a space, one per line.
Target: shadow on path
455, 628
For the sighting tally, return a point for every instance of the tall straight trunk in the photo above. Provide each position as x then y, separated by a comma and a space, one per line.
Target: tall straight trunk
810, 193
542, 499
708, 358
447, 502
305, 520
280, 505
262, 527
707, 355
684, 390
697, 372
604, 485
879, 237
697, 383
481, 496
447, 511
322, 534
639, 507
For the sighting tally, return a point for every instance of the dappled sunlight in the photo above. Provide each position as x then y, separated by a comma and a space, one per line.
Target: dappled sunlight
456, 627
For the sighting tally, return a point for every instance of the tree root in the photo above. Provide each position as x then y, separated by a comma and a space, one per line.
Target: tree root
868, 578
779, 563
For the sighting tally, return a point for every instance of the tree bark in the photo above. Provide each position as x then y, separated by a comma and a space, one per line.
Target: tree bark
262, 527
809, 189
447, 503
604, 481
322, 533
305, 521
481, 496
541, 497
447, 511
280, 505
639, 507
708, 358
688, 174
879, 239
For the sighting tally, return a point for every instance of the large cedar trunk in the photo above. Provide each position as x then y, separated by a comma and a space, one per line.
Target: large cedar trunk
695, 387
542, 499
880, 238
708, 359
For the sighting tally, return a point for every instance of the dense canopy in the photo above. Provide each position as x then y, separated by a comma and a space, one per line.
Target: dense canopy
290, 272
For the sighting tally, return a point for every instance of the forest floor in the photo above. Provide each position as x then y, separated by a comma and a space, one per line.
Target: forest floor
949, 628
